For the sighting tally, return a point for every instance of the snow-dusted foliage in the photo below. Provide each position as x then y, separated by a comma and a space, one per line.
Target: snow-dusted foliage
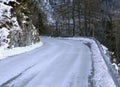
16, 28
45, 6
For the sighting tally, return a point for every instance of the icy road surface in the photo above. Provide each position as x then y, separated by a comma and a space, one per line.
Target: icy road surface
58, 63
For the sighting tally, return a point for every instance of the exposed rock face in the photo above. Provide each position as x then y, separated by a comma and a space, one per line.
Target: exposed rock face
16, 28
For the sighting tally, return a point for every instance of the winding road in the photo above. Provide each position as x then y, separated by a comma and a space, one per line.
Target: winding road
58, 63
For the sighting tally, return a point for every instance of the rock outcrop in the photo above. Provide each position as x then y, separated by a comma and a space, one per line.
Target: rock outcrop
16, 28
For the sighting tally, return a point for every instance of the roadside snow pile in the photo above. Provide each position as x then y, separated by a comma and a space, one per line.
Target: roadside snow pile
105, 49
18, 50
102, 77
115, 67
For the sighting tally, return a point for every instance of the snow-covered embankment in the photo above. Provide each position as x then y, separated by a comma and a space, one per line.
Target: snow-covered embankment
102, 77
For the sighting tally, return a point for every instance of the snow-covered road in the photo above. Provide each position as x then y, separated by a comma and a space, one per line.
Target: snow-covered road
58, 63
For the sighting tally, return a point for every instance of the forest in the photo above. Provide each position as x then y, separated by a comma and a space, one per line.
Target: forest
86, 18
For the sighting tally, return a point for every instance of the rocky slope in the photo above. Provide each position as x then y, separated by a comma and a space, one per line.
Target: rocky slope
16, 28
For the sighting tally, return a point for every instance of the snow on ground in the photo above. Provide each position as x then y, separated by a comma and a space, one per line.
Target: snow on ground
5, 52
58, 63
102, 77
105, 49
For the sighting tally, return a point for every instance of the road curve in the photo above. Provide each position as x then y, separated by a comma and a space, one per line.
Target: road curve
58, 63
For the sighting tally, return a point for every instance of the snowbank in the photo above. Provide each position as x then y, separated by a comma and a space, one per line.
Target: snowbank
4, 52
105, 49
101, 78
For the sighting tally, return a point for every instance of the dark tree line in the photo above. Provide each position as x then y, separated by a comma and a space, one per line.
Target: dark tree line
96, 18
77, 17
112, 11
91, 18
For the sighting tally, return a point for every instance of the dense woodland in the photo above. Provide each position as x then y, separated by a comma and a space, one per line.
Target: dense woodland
88, 18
